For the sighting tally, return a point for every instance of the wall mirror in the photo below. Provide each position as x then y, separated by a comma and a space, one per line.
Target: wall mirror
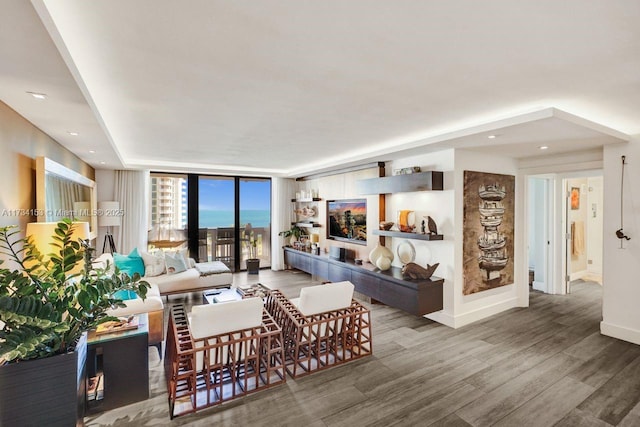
64, 193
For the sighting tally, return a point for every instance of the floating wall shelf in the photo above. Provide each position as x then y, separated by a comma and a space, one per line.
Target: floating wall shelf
306, 224
308, 199
423, 181
415, 236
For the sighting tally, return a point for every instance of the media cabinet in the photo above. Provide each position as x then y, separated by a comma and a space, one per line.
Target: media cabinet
417, 297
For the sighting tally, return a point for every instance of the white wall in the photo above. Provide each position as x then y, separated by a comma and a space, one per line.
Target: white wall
20, 144
440, 206
594, 227
462, 309
621, 267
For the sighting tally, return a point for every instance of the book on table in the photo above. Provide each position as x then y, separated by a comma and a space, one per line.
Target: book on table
225, 298
122, 324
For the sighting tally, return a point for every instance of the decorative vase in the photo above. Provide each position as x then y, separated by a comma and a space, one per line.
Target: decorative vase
383, 263
406, 221
380, 251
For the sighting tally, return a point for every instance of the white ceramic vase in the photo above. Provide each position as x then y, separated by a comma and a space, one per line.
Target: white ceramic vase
378, 252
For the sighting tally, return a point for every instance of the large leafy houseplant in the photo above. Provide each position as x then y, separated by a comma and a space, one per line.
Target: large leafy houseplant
294, 232
44, 306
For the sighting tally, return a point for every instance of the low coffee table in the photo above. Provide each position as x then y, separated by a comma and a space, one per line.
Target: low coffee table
215, 296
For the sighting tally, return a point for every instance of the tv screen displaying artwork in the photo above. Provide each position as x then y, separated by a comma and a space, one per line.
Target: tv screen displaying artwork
347, 220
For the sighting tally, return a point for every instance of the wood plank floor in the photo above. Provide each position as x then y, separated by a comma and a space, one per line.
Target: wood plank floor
546, 365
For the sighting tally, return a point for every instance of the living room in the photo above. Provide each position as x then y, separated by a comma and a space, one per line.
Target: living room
560, 84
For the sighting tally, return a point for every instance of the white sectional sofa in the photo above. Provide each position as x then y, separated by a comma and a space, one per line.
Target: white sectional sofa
165, 284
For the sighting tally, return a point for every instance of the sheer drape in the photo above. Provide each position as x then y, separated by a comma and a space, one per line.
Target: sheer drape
60, 196
132, 191
282, 190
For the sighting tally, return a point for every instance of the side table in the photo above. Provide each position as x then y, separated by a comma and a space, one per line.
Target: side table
123, 359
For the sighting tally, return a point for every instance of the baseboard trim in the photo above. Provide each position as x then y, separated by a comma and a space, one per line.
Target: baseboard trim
578, 275
620, 332
540, 286
474, 315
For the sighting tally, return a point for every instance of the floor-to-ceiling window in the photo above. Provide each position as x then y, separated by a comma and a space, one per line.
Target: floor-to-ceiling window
218, 217
168, 211
255, 220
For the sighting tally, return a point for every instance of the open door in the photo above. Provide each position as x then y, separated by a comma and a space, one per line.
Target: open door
540, 212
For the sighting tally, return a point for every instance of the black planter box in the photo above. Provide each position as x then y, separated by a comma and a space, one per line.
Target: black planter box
253, 266
44, 392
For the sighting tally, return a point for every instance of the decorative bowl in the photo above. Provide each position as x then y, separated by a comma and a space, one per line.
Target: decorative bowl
386, 225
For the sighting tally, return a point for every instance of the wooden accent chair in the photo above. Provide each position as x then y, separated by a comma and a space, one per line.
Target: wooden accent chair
323, 328
222, 352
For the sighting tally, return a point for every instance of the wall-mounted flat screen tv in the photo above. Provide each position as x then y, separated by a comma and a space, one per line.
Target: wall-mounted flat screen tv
347, 220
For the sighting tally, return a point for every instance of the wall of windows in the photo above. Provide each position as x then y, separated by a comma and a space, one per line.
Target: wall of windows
216, 217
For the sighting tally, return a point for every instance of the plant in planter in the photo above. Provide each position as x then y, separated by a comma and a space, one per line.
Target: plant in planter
253, 262
293, 233
45, 309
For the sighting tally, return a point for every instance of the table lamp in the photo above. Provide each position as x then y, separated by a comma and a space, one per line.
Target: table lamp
42, 233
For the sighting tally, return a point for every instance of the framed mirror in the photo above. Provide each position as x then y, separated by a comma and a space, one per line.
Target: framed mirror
64, 193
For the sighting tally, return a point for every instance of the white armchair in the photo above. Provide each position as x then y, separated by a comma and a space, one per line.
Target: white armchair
222, 352
323, 328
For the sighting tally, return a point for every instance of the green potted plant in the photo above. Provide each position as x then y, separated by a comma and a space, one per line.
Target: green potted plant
293, 233
253, 262
45, 310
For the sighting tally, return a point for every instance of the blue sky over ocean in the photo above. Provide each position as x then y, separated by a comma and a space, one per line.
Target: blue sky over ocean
217, 199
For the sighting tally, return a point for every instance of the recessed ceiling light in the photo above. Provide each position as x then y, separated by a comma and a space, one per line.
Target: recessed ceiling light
544, 147
92, 151
38, 95
491, 136
73, 133
103, 163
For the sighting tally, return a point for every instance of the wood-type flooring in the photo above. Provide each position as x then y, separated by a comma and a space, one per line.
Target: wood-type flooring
545, 365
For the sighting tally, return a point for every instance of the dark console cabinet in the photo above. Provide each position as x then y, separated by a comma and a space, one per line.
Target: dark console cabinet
416, 296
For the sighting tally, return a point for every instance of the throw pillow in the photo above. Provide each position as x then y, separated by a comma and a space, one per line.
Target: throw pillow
124, 295
129, 264
154, 264
175, 263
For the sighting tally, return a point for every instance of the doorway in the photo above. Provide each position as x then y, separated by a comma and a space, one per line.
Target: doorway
565, 229
584, 230
540, 203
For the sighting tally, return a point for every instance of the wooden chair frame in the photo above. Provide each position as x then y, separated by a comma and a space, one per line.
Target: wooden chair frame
323, 340
240, 362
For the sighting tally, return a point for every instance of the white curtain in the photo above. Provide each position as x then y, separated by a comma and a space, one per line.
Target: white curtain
282, 191
60, 196
132, 191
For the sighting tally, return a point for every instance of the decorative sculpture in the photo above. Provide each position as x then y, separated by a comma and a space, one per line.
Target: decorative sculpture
433, 228
413, 271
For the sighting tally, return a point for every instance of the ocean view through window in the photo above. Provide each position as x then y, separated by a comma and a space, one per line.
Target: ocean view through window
219, 218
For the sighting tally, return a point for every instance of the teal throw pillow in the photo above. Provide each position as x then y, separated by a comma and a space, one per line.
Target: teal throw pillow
130, 264
125, 295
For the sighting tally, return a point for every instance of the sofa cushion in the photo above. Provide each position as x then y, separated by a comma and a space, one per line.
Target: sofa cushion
214, 319
131, 263
175, 263
321, 298
154, 264
104, 262
152, 302
168, 283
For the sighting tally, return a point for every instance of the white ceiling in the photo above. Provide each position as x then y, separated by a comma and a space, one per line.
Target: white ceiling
289, 88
